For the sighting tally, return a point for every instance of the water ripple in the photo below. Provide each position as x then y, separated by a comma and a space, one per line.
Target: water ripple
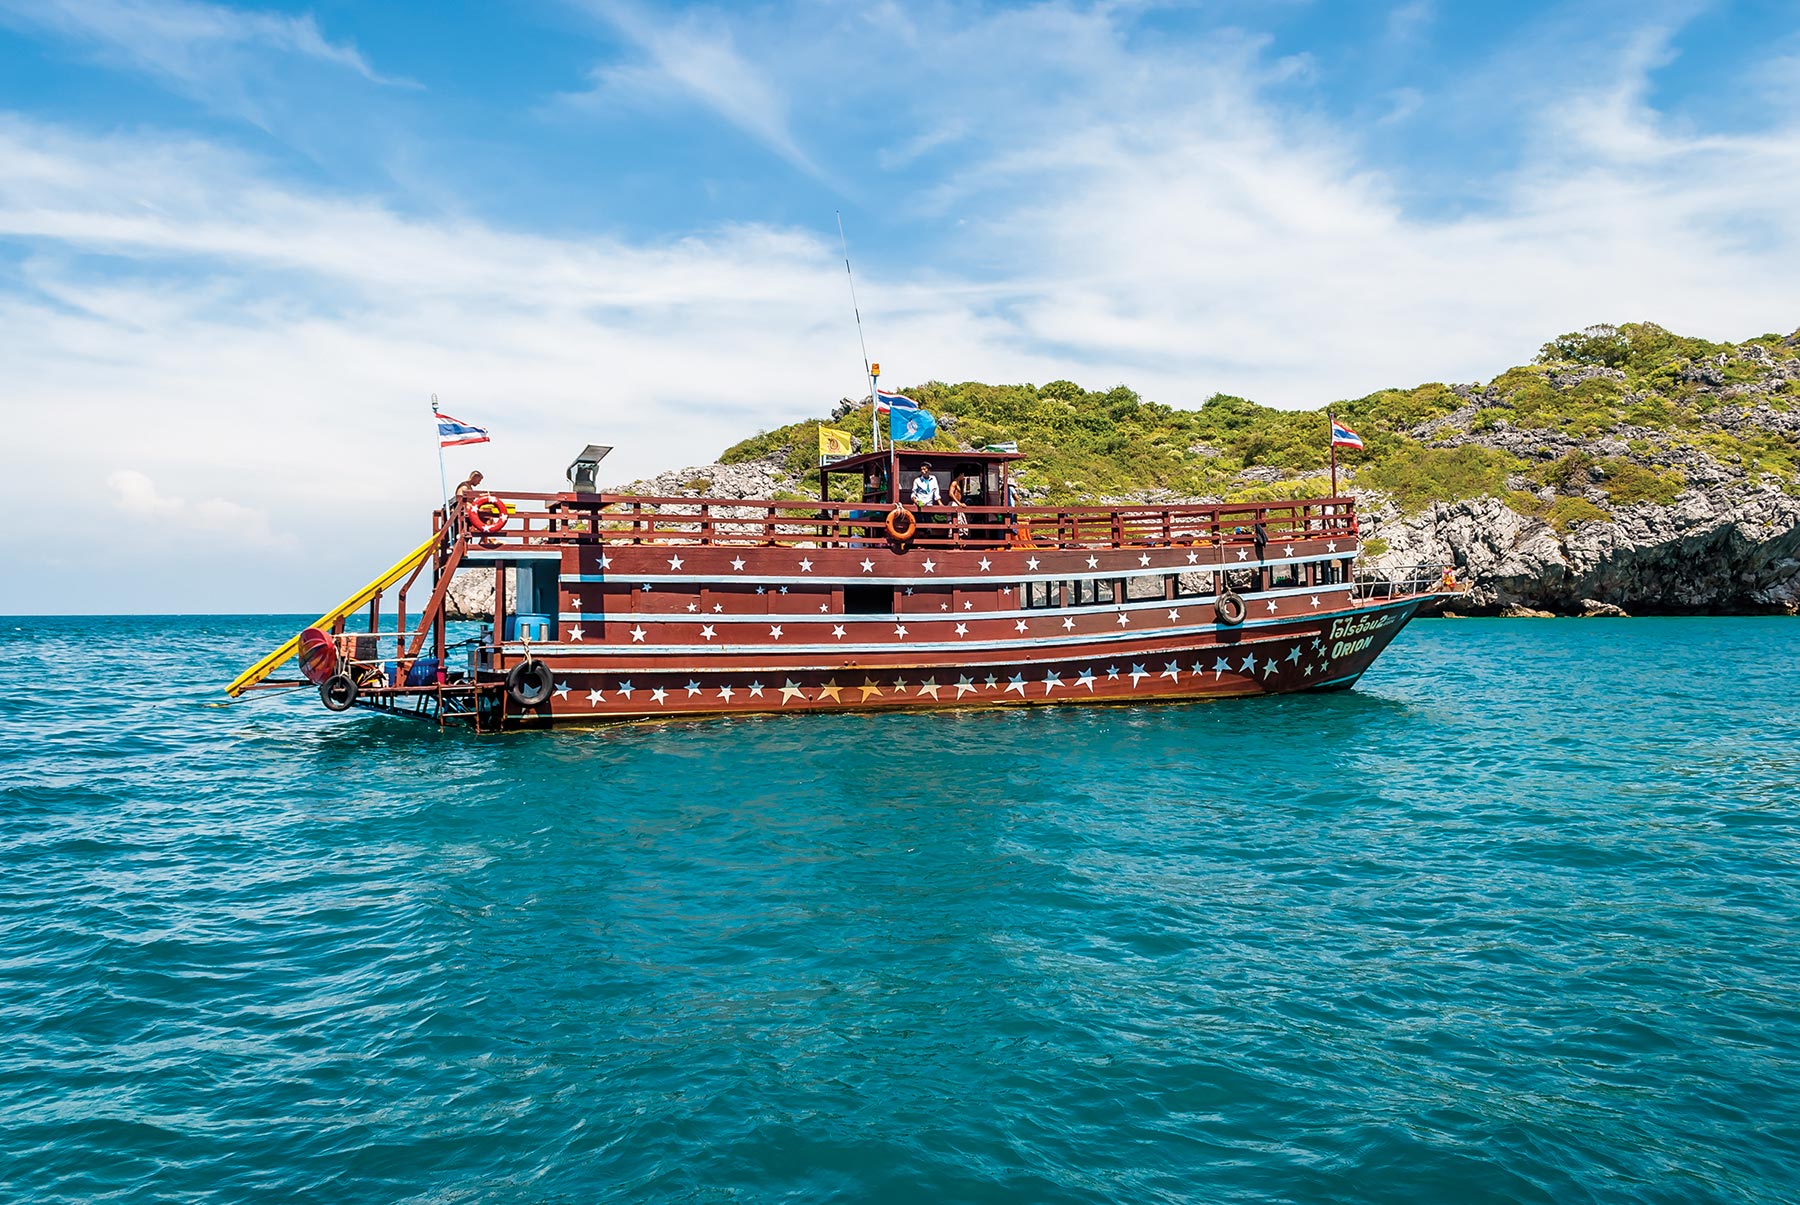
1513, 921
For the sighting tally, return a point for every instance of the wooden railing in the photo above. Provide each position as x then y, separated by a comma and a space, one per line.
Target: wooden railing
629, 519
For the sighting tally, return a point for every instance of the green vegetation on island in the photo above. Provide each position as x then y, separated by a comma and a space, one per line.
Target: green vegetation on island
1602, 418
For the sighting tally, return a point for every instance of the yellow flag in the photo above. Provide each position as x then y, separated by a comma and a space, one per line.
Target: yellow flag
833, 443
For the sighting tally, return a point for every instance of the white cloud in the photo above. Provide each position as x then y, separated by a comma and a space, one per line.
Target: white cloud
137, 497
695, 58
208, 52
1114, 213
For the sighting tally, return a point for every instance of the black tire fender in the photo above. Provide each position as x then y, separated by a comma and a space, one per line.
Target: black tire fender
338, 692
1230, 609
529, 683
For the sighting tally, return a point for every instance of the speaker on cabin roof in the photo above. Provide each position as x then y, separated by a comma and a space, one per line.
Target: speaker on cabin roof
584, 471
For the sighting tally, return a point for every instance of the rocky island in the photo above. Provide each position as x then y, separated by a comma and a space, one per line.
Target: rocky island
1626, 469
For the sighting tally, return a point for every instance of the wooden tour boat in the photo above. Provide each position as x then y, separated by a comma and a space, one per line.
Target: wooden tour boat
621, 607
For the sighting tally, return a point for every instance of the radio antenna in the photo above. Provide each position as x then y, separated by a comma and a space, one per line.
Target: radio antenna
874, 437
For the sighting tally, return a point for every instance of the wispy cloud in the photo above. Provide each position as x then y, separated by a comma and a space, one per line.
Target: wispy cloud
206, 51
694, 58
162, 516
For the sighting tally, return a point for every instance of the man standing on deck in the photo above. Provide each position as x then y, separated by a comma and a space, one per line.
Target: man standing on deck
925, 487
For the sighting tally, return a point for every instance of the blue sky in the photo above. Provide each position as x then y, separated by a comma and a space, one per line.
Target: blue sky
240, 246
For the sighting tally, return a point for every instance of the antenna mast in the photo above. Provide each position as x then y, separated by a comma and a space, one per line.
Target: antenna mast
874, 437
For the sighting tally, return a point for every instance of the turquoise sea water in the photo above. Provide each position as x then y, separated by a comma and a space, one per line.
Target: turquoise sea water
1516, 920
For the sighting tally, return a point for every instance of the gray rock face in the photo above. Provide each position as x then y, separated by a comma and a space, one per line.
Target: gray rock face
1726, 550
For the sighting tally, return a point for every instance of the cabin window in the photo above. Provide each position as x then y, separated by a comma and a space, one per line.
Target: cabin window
1040, 594
868, 600
1193, 585
1284, 575
1092, 593
1140, 588
1241, 579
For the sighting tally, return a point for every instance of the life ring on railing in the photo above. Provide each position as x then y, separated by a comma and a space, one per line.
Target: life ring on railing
902, 525
530, 682
486, 514
1230, 609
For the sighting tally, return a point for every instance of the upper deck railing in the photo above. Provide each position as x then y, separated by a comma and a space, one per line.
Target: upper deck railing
538, 519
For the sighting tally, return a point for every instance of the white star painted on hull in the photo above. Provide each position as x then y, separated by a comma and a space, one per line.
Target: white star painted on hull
909, 591
575, 602
756, 689
659, 694
990, 681
930, 687
725, 693
692, 607
868, 566
962, 629
790, 691
1293, 655
1021, 625
929, 566
1308, 671
943, 606
693, 688
1112, 672
986, 564
1288, 551
1243, 554
831, 690
1171, 670
1017, 682
837, 629
869, 687
637, 635
647, 587
1315, 600
562, 690
963, 686
1052, 680
806, 565
762, 589
1093, 562
577, 632
900, 630
1144, 559
1269, 667
1138, 671
1331, 546
1219, 668
1032, 563
737, 563
1271, 606
782, 590
968, 605
1196, 669
1249, 662
824, 608
1068, 623
625, 688
674, 562
1174, 616
1086, 679
605, 563
899, 686
596, 696
1124, 619
1193, 558
775, 632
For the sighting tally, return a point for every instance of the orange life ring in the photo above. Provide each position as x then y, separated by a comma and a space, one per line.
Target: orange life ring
486, 514
901, 525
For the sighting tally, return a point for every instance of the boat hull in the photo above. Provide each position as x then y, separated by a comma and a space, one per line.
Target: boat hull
1315, 653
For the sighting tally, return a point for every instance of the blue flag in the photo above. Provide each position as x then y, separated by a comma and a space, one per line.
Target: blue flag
910, 426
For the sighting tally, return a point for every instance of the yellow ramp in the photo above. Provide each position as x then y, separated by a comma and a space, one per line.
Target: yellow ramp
275, 660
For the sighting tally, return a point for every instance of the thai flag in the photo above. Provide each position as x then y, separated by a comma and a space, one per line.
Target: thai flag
1344, 437
885, 402
453, 432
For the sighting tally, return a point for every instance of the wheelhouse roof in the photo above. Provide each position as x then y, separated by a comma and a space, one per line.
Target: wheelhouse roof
912, 456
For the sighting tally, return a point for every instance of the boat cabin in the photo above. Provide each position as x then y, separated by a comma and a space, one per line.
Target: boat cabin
979, 484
